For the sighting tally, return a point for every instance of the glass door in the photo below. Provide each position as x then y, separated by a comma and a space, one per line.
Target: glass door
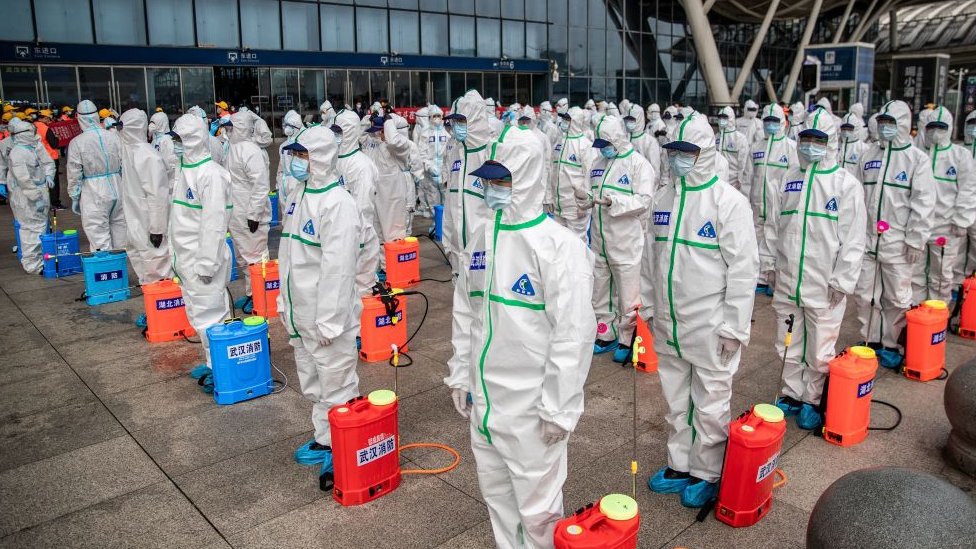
130, 88
312, 93
95, 85
163, 90
60, 87
357, 90
21, 84
198, 88
379, 86
284, 96
336, 84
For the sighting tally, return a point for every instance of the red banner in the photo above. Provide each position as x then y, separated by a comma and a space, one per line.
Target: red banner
65, 131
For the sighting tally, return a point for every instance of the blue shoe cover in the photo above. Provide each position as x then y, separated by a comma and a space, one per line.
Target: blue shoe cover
359, 343
762, 289
663, 485
141, 322
245, 304
809, 418
599, 350
305, 455
769, 291
622, 354
698, 494
789, 409
327, 473
381, 275
204, 376
889, 359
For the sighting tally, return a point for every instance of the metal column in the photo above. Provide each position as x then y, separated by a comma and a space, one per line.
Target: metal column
708, 59
757, 42
798, 60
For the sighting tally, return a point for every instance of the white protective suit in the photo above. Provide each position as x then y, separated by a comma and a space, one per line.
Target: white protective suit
198, 223
422, 117
95, 175
495, 125
857, 109
163, 144
814, 241
698, 284
572, 159
617, 234
523, 354
562, 106
432, 142
644, 141
285, 184
391, 156
924, 116
872, 129
825, 103
798, 115
146, 194
28, 168
966, 263
533, 125
465, 211
215, 145
898, 189
954, 172
250, 185
749, 123
319, 301
653, 114
547, 122
771, 159
327, 113
735, 146
359, 177
852, 148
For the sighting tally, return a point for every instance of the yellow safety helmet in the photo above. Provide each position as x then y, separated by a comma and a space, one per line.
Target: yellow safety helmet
221, 104
7, 107
29, 111
46, 112
104, 113
67, 109
20, 115
159, 109
7, 116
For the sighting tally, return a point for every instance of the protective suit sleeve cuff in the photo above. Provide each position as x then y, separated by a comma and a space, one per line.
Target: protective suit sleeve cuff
452, 382
727, 332
565, 420
205, 270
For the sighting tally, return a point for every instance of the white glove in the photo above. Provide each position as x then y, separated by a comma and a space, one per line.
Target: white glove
835, 297
552, 433
958, 231
771, 279
548, 208
76, 205
205, 279
912, 255
605, 201
50, 182
324, 341
461, 404
580, 194
727, 348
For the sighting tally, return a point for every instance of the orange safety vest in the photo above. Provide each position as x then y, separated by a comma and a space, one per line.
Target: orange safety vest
42, 133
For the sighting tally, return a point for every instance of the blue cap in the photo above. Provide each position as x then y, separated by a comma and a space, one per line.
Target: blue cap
336, 128
847, 126
771, 119
937, 125
455, 116
810, 132
296, 147
600, 143
683, 146
886, 117
174, 134
492, 170
377, 125
564, 116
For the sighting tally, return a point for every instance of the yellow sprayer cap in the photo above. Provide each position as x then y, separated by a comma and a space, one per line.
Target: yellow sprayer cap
768, 413
862, 352
382, 397
410, 239
935, 304
618, 507
70, 232
254, 321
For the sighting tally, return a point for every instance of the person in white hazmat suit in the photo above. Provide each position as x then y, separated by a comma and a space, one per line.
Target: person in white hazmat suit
216, 146
146, 193
798, 115
622, 184
465, 212
527, 119
770, 161
900, 191
698, 282
872, 129
851, 147
251, 216
320, 304
291, 126
521, 358
812, 251
749, 123
198, 220
562, 105
572, 158
162, 143
826, 105
735, 147
857, 109
327, 113
923, 119
433, 144
966, 262
260, 132
495, 124
643, 141
422, 122
390, 152
548, 122
954, 172
30, 173
94, 175
653, 114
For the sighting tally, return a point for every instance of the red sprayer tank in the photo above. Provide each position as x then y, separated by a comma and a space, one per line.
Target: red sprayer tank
402, 262
365, 448
925, 345
967, 314
746, 492
611, 524
849, 396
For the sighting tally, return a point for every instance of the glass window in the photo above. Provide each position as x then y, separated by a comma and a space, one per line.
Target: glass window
507, 95
458, 87
198, 87
557, 47
462, 36
490, 85
535, 41
359, 89
461, 6
472, 81
434, 5
439, 88
557, 12
401, 89
577, 8
130, 88
312, 92
598, 52
433, 31
301, 23
260, 27
489, 31
337, 28
20, 83
513, 39
94, 84
60, 85
615, 53
114, 22
17, 23
598, 14
577, 50
164, 90
379, 85
61, 21
369, 2
213, 29
371, 31
536, 11
405, 4
489, 8
404, 36
514, 9
540, 88
418, 88
170, 22
335, 88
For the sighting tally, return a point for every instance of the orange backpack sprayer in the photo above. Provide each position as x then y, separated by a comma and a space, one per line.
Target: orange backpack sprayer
402, 262
365, 436
746, 492
967, 314
646, 358
165, 312
383, 324
612, 523
849, 396
925, 345
265, 286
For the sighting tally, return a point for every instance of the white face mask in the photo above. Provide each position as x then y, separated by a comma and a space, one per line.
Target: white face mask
888, 131
681, 164
289, 131
971, 130
723, 123
812, 152
655, 116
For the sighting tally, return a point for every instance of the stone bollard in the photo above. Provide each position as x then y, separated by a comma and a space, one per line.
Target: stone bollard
960, 407
894, 508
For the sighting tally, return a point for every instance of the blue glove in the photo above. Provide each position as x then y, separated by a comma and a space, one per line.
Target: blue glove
75, 193
3, 191
50, 182
76, 205
41, 206
213, 126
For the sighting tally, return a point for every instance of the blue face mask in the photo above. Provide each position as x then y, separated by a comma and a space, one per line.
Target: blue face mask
971, 130
299, 168
771, 128
564, 126
888, 131
681, 164
460, 131
498, 197
178, 148
608, 152
812, 152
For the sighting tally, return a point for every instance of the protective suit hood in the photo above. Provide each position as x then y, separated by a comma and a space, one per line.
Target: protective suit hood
22, 132
855, 120
638, 113
243, 123
873, 127
746, 113
624, 106
822, 120
730, 112
562, 105
942, 114
293, 119
161, 121
423, 117
194, 133
857, 109
528, 112
577, 120
773, 109
519, 150
87, 115
797, 111
322, 154
134, 126
825, 103
611, 128
472, 106
696, 130
903, 117
352, 131
201, 113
